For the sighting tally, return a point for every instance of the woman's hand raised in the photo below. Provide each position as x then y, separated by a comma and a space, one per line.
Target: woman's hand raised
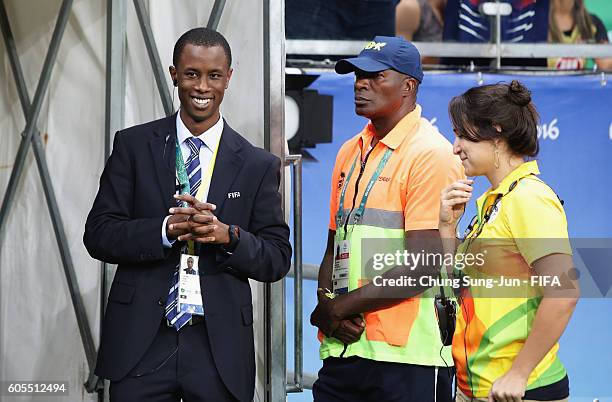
452, 203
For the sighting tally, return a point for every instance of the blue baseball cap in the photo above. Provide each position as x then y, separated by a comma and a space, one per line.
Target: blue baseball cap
383, 53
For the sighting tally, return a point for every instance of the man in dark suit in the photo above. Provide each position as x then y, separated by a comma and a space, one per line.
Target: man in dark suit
148, 351
189, 270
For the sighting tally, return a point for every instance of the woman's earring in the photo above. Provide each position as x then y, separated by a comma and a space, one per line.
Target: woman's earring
496, 158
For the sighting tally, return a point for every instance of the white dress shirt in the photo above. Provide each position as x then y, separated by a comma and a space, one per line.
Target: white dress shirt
211, 139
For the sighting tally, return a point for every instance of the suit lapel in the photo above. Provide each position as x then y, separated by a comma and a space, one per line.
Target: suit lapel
227, 167
163, 150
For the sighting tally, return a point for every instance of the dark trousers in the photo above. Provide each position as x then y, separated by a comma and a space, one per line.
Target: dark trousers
339, 19
357, 379
177, 365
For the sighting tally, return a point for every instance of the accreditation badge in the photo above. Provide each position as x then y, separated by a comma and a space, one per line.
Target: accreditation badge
189, 291
340, 274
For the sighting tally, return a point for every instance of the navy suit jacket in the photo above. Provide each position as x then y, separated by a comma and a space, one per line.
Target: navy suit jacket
124, 228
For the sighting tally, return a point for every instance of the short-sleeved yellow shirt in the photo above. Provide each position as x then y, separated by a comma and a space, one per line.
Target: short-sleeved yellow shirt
527, 224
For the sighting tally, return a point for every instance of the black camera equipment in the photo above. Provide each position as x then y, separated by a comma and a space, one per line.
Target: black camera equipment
446, 313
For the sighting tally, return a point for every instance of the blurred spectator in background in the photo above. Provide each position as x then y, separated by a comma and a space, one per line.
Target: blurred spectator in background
570, 22
528, 23
339, 19
602, 9
420, 20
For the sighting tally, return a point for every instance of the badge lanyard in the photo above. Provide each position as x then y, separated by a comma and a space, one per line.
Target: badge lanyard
360, 211
478, 223
341, 265
183, 180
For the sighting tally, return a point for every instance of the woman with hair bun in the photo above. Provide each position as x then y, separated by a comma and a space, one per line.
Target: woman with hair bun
505, 344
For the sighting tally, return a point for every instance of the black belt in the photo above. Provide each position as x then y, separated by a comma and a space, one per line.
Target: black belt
194, 320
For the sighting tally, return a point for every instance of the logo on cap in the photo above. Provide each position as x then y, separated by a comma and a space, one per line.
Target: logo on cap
375, 45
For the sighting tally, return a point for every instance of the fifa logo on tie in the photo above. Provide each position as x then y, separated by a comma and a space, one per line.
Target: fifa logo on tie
375, 45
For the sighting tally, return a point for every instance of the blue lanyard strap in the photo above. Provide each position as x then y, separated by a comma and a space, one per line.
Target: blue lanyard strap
381, 165
340, 213
359, 213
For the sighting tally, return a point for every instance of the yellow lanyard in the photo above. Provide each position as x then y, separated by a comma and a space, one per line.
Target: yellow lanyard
207, 176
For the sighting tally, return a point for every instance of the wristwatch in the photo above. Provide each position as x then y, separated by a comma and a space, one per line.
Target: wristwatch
234, 236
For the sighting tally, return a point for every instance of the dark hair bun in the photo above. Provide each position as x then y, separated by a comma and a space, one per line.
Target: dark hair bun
477, 112
518, 94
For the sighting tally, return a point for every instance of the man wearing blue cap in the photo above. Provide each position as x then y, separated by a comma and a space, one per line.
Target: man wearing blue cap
380, 341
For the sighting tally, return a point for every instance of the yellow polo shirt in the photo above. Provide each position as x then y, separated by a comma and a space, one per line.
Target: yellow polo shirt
493, 324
